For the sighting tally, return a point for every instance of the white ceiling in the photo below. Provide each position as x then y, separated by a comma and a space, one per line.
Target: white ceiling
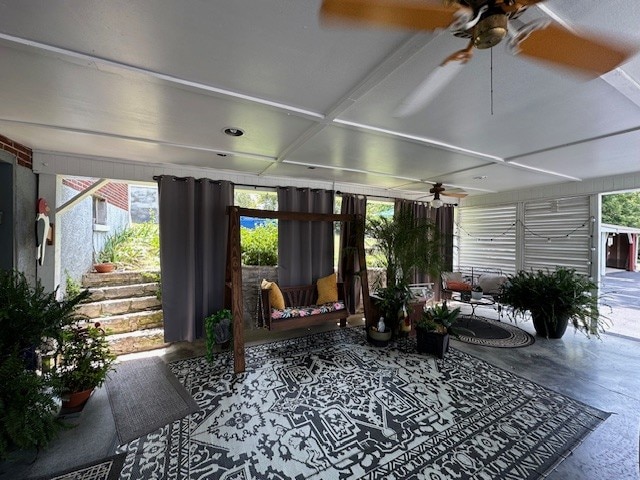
158, 80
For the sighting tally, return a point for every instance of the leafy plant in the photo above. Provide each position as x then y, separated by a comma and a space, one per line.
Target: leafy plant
553, 296
84, 358
134, 247
73, 288
29, 316
259, 246
405, 244
391, 301
217, 330
439, 318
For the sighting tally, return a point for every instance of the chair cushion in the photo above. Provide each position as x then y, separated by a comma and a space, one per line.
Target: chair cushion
491, 283
327, 289
276, 299
458, 286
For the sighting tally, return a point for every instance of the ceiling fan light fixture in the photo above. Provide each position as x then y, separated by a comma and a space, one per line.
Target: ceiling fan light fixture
490, 31
436, 203
233, 131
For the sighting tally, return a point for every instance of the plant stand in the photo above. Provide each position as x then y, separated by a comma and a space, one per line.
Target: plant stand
433, 343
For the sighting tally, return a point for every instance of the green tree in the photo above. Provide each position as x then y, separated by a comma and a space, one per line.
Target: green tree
622, 209
259, 245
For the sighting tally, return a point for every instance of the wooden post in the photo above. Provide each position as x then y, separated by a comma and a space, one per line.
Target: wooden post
234, 269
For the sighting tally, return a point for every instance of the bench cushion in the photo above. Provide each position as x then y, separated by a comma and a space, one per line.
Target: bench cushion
293, 312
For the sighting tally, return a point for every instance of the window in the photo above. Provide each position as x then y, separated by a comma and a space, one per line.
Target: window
99, 211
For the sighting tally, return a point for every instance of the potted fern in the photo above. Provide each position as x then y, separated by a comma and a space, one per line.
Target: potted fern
218, 331
554, 299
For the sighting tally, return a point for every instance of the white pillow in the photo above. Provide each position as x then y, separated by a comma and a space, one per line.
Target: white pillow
490, 283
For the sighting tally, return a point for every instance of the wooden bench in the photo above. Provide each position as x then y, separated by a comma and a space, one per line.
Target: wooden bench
302, 299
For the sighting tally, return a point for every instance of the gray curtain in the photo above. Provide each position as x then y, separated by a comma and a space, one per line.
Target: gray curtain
193, 248
305, 249
348, 263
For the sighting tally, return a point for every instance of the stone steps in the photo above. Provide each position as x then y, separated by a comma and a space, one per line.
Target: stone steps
123, 291
119, 306
139, 341
127, 306
118, 278
131, 322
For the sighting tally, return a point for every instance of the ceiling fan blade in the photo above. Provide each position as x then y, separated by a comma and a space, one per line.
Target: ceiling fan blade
454, 194
429, 88
413, 14
557, 45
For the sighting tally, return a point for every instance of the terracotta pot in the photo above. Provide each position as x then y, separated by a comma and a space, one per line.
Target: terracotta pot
104, 267
76, 399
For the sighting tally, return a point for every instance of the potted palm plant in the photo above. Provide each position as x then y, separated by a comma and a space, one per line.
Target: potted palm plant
404, 245
434, 327
554, 299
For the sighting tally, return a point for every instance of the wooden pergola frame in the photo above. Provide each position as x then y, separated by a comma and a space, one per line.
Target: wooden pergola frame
233, 275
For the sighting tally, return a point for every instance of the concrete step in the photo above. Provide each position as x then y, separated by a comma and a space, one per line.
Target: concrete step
93, 280
130, 322
123, 291
139, 341
119, 306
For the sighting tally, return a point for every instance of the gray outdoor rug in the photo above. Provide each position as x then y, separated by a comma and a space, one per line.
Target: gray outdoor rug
330, 406
105, 469
144, 396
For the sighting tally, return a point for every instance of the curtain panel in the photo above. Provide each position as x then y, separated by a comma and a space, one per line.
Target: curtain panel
348, 263
193, 248
305, 249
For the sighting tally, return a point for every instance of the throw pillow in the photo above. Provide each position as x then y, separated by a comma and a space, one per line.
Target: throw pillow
327, 289
275, 295
490, 283
458, 286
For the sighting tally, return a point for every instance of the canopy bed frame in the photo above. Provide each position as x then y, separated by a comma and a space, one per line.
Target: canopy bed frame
233, 274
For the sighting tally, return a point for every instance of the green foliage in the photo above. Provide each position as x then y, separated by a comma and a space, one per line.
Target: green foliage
136, 247
404, 245
255, 199
259, 246
218, 330
555, 295
73, 288
28, 317
439, 317
29, 314
27, 410
622, 209
391, 301
84, 358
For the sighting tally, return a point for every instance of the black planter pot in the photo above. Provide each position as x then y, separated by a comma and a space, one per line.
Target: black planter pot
433, 343
545, 328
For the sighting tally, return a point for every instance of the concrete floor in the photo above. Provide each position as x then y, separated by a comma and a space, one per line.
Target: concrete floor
602, 373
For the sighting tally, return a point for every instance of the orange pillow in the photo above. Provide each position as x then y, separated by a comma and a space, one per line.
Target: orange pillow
459, 286
327, 289
275, 295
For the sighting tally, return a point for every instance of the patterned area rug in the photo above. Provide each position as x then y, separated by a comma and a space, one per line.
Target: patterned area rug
330, 406
491, 333
106, 469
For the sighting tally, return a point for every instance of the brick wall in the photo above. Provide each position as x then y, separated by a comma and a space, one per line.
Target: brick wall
117, 194
24, 155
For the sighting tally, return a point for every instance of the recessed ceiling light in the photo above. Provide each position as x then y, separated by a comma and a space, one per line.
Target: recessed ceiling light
480, 177
221, 154
233, 131
311, 168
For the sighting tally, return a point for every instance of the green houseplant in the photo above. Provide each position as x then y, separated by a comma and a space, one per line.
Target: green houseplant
405, 245
83, 360
553, 299
218, 331
434, 327
29, 318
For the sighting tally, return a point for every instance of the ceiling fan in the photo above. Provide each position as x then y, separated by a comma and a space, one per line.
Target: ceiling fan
486, 23
438, 190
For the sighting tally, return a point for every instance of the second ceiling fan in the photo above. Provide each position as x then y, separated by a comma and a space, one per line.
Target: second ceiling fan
486, 23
